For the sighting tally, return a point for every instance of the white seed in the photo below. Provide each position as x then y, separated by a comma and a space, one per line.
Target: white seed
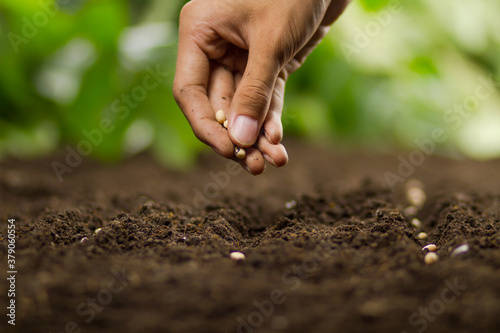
98, 230
422, 235
460, 250
410, 211
430, 248
83, 240
225, 124
416, 223
416, 196
237, 256
431, 258
240, 153
220, 117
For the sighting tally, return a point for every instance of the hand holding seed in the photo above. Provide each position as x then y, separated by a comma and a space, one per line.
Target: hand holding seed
221, 119
236, 56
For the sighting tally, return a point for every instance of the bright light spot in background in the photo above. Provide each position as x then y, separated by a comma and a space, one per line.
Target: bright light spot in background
137, 43
138, 137
60, 77
480, 136
470, 30
380, 42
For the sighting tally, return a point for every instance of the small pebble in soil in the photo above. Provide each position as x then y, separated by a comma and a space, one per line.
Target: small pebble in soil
240, 153
422, 235
290, 204
98, 230
83, 240
237, 256
460, 250
430, 248
431, 258
220, 117
416, 223
225, 124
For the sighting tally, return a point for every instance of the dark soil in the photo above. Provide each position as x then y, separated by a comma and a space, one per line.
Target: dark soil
345, 258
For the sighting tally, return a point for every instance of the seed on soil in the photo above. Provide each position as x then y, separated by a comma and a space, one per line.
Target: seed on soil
98, 230
237, 256
430, 248
431, 258
410, 211
416, 223
220, 117
83, 240
416, 196
290, 204
422, 235
460, 250
225, 124
240, 153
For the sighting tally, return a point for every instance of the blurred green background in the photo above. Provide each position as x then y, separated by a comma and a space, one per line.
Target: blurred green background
388, 74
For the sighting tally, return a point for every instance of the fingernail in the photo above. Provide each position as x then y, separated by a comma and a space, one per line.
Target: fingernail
269, 159
245, 130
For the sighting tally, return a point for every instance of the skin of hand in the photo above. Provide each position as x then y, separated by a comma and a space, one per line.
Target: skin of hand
236, 55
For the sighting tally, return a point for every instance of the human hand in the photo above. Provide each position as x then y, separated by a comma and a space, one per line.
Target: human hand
235, 56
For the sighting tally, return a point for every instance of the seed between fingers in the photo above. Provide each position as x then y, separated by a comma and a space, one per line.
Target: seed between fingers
240, 153
220, 117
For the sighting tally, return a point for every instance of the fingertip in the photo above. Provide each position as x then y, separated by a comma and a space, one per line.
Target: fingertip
273, 136
244, 130
257, 170
273, 129
254, 162
280, 157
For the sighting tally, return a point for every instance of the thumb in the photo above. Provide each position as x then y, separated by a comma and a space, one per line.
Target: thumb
252, 98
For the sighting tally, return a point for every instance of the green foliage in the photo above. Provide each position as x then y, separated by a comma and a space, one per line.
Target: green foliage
387, 74
373, 5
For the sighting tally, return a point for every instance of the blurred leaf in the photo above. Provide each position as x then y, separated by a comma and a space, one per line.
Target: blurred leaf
374, 5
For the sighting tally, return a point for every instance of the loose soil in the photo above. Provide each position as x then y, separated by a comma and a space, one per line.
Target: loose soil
329, 246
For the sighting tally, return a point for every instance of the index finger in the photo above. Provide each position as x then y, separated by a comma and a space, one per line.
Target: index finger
190, 92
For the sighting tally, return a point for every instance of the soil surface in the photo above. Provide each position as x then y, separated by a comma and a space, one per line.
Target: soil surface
329, 246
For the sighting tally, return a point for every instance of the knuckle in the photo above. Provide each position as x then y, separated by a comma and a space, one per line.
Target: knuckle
256, 97
183, 92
